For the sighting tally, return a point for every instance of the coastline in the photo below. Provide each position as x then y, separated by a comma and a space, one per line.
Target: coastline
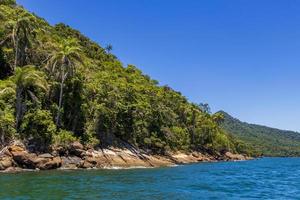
16, 158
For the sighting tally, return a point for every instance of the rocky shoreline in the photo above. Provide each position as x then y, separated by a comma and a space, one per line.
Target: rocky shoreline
16, 158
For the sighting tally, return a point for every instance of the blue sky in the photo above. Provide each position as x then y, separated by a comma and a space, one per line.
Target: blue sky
241, 56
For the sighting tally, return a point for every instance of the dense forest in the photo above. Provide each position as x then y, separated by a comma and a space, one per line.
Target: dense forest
263, 140
57, 86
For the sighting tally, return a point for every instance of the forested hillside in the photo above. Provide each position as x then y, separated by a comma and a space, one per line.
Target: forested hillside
58, 86
263, 140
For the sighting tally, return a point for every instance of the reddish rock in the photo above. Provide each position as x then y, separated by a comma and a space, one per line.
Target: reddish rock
13, 169
77, 145
25, 159
5, 162
77, 149
232, 156
5, 152
90, 162
53, 163
15, 149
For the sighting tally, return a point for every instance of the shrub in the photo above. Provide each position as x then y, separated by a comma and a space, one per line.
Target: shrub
7, 126
38, 129
63, 138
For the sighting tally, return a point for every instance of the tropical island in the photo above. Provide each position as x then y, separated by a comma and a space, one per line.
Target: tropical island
66, 102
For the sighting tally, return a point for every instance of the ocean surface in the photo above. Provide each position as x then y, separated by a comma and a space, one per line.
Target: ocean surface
268, 178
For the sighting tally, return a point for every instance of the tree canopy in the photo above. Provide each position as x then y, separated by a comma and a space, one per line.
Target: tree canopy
76, 90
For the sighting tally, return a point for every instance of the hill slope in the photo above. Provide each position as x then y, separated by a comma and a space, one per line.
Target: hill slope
265, 140
57, 86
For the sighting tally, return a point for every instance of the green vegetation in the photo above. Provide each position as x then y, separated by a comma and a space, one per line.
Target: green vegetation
263, 140
57, 86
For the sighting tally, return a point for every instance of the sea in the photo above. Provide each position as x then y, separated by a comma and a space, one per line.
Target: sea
266, 178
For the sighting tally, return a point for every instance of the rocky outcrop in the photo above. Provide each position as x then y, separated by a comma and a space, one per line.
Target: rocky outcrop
16, 158
71, 162
6, 162
231, 156
77, 149
48, 163
25, 159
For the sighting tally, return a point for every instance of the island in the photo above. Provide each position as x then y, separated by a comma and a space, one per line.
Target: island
66, 102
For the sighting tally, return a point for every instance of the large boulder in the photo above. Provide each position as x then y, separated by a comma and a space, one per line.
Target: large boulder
25, 159
5, 152
13, 170
77, 149
77, 145
232, 156
5, 162
92, 162
49, 163
72, 162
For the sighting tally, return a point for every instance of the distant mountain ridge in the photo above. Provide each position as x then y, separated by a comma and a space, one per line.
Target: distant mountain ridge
262, 139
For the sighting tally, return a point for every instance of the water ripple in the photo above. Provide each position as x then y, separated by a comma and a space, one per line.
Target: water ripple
269, 178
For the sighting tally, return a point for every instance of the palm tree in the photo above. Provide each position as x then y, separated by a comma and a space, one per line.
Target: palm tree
21, 33
62, 64
27, 79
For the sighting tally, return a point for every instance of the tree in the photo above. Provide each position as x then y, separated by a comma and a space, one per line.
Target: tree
38, 129
5, 69
7, 2
7, 118
7, 126
193, 122
62, 64
205, 108
218, 118
21, 34
27, 80
109, 48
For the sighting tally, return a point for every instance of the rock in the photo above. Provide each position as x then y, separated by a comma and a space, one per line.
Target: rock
196, 155
13, 169
15, 149
78, 152
45, 155
28, 160
5, 152
40, 162
77, 149
5, 162
232, 156
52, 163
72, 162
77, 145
91, 162
89, 153
25, 159
55, 153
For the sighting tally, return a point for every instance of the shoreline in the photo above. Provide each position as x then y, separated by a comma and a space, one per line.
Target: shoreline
16, 158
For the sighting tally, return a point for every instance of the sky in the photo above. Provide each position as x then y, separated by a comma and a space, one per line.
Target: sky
240, 56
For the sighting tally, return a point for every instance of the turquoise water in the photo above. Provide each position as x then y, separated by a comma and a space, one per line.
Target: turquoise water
268, 178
